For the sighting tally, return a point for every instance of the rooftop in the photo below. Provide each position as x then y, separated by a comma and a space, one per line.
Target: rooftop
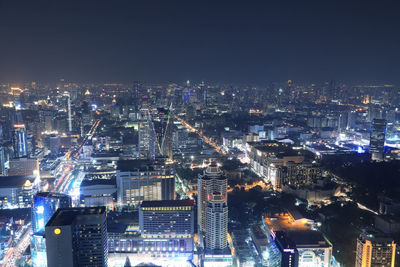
66, 216
87, 182
51, 195
273, 147
308, 238
287, 221
167, 203
15, 181
141, 164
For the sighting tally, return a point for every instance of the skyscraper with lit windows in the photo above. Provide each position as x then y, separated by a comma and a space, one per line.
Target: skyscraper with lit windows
44, 205
3, 171
210, 182
20, 144
374, 249
377, 139
216, 222
77, 237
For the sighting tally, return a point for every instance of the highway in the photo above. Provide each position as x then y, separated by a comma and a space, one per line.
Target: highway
61, 186
200, 133
14, 253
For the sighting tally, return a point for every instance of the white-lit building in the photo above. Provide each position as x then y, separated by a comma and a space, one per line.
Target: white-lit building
211, 181
216, 230
139, 180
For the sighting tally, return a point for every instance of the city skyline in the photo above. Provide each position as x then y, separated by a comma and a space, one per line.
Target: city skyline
199, 133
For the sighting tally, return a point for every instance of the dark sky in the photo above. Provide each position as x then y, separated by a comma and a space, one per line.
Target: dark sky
245, 41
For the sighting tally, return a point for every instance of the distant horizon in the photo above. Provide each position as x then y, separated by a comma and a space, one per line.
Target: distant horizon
227, 41
366, 83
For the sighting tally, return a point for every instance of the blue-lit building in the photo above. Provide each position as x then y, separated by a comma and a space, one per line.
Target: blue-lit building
44, 205
287, 249
20, 143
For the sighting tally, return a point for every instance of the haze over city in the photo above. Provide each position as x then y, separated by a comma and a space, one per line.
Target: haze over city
199, 133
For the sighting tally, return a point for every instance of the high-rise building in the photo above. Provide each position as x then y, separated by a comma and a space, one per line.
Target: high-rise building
169, 226
139, 180
287, 249
16, 191
166, 219
147, 136
46, 120
44, 205
55, 145
23, 166
216, 230
20, 144
377, 139
375, 249
77, 237
211, 181
3, 170
313, 248
67, 94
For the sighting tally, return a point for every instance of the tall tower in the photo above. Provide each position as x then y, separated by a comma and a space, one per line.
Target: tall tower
216, 222
20, 144
377, 139
3, 171
374, 249
147, 136
44, 205
77, 237
210, 182
67, 94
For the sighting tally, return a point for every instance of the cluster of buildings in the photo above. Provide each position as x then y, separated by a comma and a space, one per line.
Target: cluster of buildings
96, 164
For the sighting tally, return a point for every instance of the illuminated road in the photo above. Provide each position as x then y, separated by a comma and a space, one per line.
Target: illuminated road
200, 133
361, 206
61, 186
16, 252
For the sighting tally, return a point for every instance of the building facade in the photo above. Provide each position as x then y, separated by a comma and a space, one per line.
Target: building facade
211, 181
144, 180
166, 219
77, 237
44, 205
375, 249
20, 144
216, 230
377, 139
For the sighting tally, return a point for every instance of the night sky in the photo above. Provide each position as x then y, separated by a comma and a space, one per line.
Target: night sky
250, 42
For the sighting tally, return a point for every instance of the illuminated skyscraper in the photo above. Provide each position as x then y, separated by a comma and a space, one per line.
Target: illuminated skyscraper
19, 141
377, 139
140, 180
3, 171
287, 248
77, 237
147, 136
167, 218
216, 222
210, 182
67, 94
44, 205
168, 227
374, 249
